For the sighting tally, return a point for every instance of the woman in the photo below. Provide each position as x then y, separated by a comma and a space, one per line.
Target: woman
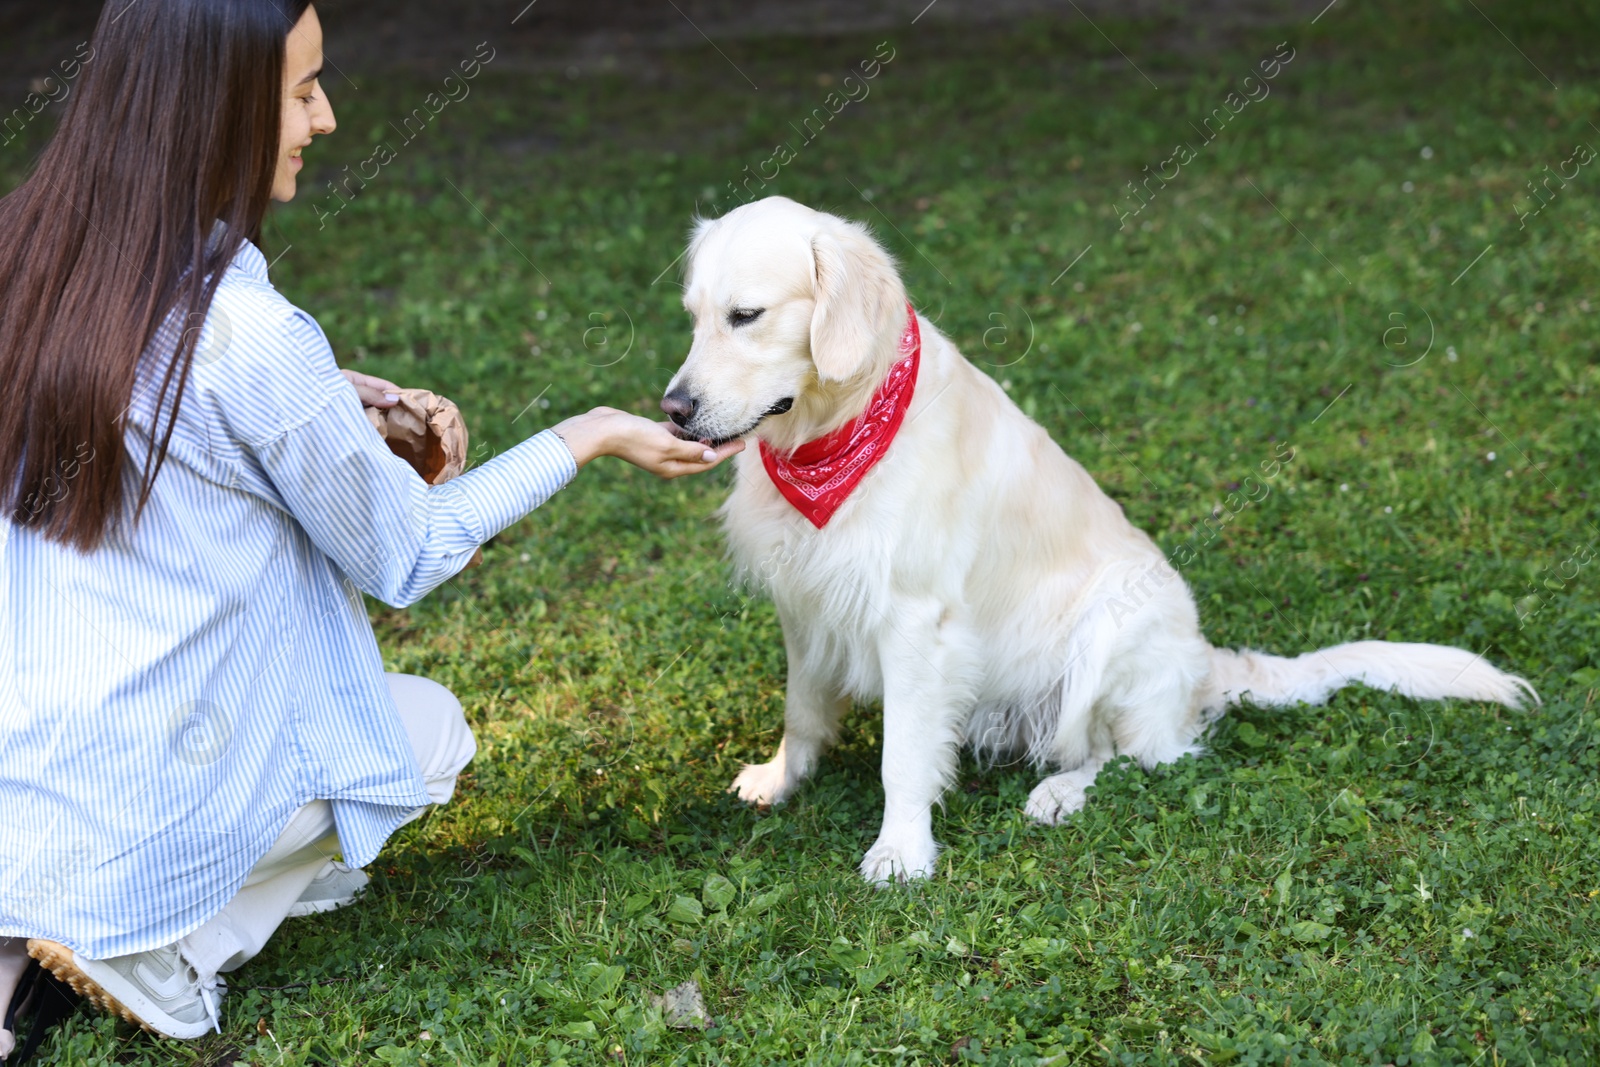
194, 718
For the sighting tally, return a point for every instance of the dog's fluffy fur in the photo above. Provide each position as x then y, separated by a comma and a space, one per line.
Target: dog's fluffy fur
977, 581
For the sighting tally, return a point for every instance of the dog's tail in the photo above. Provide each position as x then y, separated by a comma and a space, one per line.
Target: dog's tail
1423, 672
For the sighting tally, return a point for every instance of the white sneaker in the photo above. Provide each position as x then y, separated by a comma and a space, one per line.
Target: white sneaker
335, 887
159, 990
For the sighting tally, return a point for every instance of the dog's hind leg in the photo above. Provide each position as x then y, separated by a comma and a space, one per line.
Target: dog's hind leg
1062, 794
1080, 741
812, 709
1129, 687
1154, 731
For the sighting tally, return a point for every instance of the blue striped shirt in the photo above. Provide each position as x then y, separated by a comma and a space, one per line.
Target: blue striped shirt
169, 700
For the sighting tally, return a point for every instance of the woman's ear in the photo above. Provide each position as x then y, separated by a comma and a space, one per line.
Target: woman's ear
860, 302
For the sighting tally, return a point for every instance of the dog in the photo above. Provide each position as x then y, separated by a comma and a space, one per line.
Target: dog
929, 545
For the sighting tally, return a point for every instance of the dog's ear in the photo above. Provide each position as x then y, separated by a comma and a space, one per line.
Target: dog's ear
860, 301
697, 237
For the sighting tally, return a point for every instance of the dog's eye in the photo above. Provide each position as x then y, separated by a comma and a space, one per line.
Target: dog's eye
744, 316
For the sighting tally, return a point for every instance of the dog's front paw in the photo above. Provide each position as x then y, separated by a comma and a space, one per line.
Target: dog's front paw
760, 783
888, 861
1057, 797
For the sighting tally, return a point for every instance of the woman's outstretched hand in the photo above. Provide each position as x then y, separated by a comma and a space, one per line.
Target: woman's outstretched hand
651, 446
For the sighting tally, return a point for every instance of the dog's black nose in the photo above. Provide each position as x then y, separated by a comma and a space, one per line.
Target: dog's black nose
679, 406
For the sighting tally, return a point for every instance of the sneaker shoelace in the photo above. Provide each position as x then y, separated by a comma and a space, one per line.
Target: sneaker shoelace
211, 990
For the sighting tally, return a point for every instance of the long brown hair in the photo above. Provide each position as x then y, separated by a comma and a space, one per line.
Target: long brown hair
174, 126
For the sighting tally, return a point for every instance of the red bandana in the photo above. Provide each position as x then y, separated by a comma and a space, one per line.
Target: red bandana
818, 476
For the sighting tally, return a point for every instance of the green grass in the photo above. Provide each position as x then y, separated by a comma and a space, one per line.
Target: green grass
1301, 894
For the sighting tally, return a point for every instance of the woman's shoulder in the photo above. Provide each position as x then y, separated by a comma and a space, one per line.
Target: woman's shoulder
248, 311
263, 360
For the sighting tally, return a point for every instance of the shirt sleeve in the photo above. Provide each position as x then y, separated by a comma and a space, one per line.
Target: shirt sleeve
393, 534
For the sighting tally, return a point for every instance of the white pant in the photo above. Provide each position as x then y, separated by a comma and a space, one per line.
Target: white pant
443, 743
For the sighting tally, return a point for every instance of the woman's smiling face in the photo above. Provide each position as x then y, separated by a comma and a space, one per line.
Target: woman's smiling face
306, 111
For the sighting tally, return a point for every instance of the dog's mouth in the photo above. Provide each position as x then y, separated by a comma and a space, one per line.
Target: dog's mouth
778, 408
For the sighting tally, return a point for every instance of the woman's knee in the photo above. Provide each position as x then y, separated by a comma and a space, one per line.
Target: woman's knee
438, 730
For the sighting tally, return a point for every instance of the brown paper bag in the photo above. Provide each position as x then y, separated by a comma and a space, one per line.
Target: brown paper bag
427, 431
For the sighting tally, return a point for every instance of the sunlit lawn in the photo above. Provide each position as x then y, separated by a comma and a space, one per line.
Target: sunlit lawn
1341, 269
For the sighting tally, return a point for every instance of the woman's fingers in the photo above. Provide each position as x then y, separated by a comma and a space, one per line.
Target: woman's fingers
724, 450
652, 446
374, 382
373, 391
377, 398
692, 457
690, 451
685, 451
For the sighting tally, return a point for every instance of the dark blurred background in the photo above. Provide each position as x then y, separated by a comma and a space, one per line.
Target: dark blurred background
625, 34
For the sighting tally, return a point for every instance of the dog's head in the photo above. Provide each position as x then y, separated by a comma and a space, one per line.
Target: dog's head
797, 315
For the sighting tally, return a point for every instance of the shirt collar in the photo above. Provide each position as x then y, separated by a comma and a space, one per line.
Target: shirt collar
248, 260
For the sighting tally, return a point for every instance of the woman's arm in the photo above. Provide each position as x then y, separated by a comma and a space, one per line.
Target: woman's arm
602, 431
652, 446
394, 535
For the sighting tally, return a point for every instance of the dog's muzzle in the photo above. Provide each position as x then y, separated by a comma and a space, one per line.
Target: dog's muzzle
681, 408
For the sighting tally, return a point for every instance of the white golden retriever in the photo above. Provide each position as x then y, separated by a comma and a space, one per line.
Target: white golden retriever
976, 580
